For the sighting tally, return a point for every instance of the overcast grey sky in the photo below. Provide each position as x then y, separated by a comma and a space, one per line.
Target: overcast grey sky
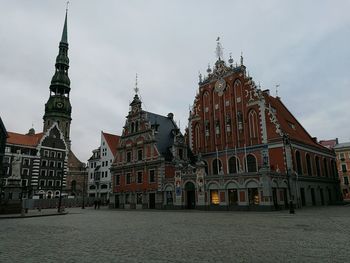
301, 45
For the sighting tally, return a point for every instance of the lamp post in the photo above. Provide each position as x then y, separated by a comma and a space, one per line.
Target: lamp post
286, 142
84, 174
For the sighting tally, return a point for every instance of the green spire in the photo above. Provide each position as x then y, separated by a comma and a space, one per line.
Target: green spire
64, 38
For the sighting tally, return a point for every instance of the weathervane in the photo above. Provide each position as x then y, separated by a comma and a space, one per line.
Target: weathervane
241, 58
136, 89
219, 49
277, 86
67, 6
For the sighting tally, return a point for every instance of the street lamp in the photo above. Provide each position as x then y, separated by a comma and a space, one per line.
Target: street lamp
286, 142
84, 174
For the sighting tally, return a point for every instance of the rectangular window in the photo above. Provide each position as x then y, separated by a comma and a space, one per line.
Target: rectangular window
139, 155
26, 161
346, 180
59, 164
7, 150
24, 182
139, 198
128, 157
43, 173
117, 179
50, 183
59, 155
42, 183
25, 171
51, 173
342, 156
43, 163
152, 177
139, 177
46, 153
128, 178
91, 165
52, 163
343, 168
52, 154
58, 183
59, 173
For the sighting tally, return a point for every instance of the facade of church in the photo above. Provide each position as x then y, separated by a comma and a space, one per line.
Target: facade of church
48, 167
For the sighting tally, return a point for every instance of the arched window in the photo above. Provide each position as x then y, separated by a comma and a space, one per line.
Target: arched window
318, 166
325, 166
217, 166
251, 163
232, 165
298, 160
253, 124
308, 165
74, 185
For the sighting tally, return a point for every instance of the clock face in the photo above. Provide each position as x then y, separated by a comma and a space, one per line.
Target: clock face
59, 104
220, 86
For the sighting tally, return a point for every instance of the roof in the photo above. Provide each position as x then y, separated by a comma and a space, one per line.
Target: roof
164, 136
112, 141
290, 125
329, 143
342, 145
24, 139
2, 128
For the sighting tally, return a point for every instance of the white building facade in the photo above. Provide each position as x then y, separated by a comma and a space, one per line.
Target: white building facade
100, 181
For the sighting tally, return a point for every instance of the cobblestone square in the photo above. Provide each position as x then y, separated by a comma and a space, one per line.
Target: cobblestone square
311, 235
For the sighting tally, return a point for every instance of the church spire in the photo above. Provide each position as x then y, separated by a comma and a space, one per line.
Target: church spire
58, 108
64, 38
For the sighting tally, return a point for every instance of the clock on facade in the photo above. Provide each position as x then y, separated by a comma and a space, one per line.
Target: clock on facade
59, 104
220, 86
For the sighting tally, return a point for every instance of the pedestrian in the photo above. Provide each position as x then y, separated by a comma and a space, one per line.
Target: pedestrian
98, 203
95, 204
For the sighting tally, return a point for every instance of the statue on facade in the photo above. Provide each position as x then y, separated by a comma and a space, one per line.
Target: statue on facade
16, 168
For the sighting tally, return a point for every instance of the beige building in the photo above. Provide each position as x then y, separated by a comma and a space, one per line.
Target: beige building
342, 151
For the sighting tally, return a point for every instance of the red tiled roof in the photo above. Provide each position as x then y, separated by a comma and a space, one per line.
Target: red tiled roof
112, 141
329, 143
24, 139
287, 120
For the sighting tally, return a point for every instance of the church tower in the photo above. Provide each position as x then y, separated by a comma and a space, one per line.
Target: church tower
58, 108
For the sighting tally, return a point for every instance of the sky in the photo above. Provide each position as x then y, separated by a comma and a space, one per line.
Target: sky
302, 46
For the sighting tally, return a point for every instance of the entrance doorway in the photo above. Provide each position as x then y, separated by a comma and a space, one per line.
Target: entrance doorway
152, 200
116, 201
190, 195
253, 196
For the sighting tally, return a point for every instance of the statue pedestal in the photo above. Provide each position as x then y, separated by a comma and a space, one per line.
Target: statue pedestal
11, 202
